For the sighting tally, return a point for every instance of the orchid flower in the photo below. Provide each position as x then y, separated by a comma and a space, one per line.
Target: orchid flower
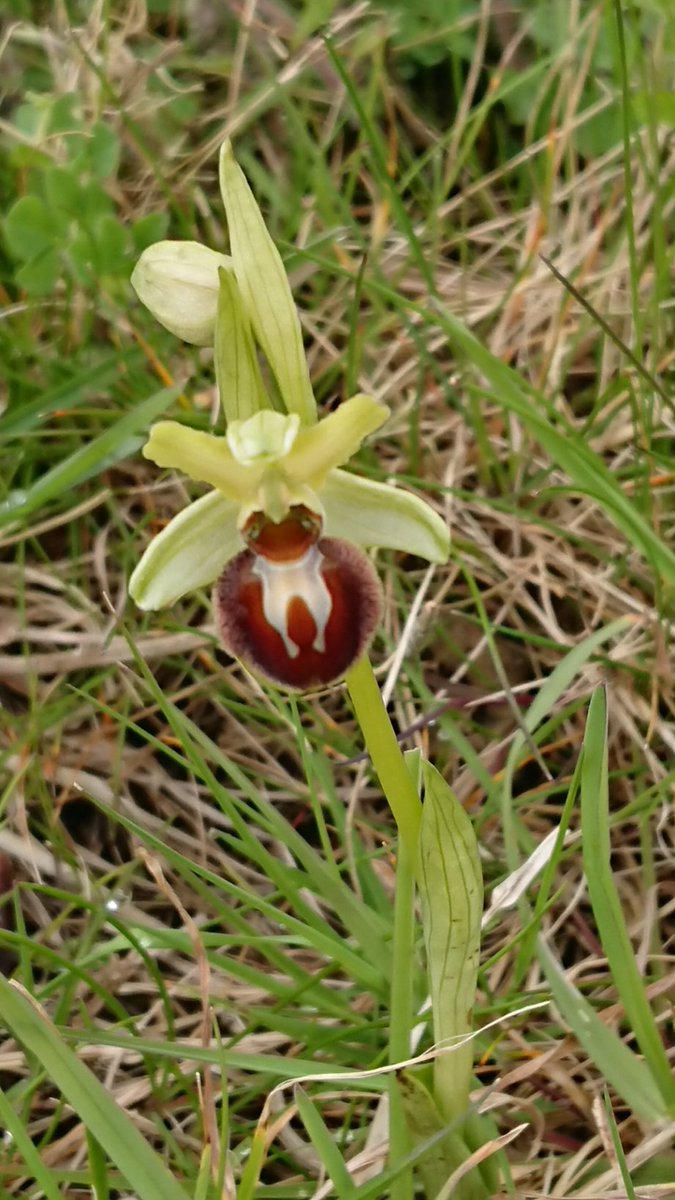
282, 530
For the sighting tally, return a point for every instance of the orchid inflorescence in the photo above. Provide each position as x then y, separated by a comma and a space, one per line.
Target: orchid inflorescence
283, 529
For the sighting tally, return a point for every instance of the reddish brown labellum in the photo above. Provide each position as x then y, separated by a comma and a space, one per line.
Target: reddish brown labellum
295, 607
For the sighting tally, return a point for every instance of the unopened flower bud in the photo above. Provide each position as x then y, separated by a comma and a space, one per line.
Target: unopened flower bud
178, 282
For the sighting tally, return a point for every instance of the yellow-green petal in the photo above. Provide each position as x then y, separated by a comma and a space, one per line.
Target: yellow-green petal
265, 290
334, 440
377, 514
188, 554
203, 457
240, 385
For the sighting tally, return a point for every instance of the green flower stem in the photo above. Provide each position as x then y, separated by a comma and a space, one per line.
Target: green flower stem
386, 756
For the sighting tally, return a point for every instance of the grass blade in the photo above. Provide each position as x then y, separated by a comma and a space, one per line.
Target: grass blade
626, 1073
586, 469
121, 439
605, 898
13, 1125
544, 702
107, 1123
324, 1144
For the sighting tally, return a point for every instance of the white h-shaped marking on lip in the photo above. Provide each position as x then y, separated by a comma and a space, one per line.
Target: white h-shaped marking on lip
301, 579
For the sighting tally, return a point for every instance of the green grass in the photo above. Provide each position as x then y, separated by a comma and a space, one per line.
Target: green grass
200, 874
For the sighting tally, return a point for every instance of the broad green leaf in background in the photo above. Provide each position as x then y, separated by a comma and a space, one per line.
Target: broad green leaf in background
30, 228
40, 276
103, 150
62, 190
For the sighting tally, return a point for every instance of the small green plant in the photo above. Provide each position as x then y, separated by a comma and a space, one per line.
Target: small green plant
65, 227
296, 599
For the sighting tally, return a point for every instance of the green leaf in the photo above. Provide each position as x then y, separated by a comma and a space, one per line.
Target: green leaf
24, 1144
40, 276
605, 901
111, 245
446, 1148
324, 1144
29, 228
30, 118
62, 190
103, 151
64, 116
451, 890
95, 202
82, 256
148, 229
142, 1168
658, 106
98, 1168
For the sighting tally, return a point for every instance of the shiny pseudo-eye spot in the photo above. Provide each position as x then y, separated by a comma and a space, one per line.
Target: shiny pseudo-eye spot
302, 622
283, 541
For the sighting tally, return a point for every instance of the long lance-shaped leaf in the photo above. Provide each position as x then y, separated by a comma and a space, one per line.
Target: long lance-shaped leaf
451, 888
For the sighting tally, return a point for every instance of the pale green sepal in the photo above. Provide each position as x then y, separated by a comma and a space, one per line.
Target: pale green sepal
265, 290
240, 385
178, 283
377, 514
317, 450
189, 553
203, 457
